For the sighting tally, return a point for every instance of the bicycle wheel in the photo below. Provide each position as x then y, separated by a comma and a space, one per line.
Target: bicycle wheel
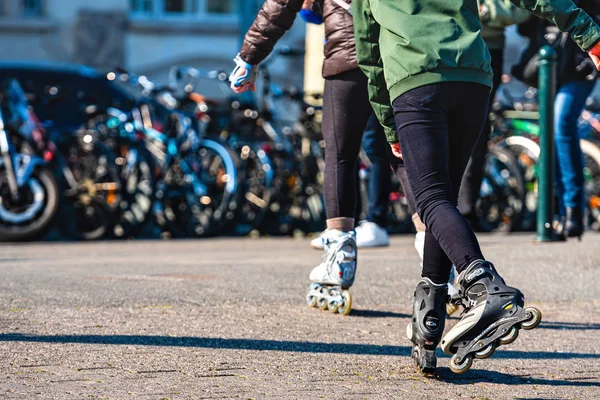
199, 195
310, 158
135, 168
591, 173
527, 153
94, 190
257, 188
400, 217
30, 216
502, 196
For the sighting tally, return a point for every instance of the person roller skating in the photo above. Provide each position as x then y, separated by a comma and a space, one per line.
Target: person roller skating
346, 111
494, 313
429, 82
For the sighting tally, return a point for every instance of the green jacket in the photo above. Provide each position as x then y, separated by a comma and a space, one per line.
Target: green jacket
405, 44
500, 14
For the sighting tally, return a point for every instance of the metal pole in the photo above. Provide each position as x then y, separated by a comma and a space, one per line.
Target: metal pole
546, 95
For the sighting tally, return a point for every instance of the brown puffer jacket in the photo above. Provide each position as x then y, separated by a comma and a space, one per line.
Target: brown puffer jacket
277, 16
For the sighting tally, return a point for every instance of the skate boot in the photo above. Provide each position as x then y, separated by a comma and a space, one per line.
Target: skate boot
333, 277
318, 243
454, 299
427, 326
493, 315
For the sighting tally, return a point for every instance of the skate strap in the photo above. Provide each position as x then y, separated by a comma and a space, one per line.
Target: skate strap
344, 5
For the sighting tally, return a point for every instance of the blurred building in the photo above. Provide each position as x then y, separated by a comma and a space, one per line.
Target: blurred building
145, 36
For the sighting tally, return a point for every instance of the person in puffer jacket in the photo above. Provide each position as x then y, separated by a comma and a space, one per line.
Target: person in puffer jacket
346, 111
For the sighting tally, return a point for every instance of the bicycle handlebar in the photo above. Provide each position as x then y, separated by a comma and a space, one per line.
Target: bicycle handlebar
148, 86
176, 74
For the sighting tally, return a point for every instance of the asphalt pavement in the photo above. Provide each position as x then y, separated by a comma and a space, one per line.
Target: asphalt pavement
227, 319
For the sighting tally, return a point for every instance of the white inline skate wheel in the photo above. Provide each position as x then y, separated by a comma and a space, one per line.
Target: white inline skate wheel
322, 304
534, 321
409, 331
462, 367
311, 300
346, 306
486, 352
332, 305
510, 337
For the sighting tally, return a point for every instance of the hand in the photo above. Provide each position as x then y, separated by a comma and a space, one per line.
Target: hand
484, 12
396, 150
243, 76
238, 75
595, 55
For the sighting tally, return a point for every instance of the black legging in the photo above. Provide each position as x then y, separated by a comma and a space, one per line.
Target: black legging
346, 110
438, 126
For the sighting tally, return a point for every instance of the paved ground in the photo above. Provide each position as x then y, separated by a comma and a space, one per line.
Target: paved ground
226, 318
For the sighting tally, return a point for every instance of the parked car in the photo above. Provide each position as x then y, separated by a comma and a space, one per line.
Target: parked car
60, 91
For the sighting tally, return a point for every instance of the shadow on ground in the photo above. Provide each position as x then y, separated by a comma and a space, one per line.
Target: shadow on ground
376, 314
476, 376
575, 326
267, 345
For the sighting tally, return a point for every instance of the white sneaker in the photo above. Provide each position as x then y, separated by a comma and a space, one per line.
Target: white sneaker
339, 263
369, 234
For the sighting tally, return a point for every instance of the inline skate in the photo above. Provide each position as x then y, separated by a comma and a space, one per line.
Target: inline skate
454, 301
333, 277
427, 326
494, 314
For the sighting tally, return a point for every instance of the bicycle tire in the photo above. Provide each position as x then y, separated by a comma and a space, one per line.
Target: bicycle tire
591, 153
36, 228
501, 202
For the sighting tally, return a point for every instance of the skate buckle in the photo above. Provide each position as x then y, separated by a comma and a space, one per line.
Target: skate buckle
475, 274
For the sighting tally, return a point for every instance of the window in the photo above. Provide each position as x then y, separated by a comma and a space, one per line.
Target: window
31, 8
183, 7
21, 8
219, 7
143, 6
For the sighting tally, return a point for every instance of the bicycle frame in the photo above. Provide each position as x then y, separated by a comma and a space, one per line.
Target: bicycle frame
165, 150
